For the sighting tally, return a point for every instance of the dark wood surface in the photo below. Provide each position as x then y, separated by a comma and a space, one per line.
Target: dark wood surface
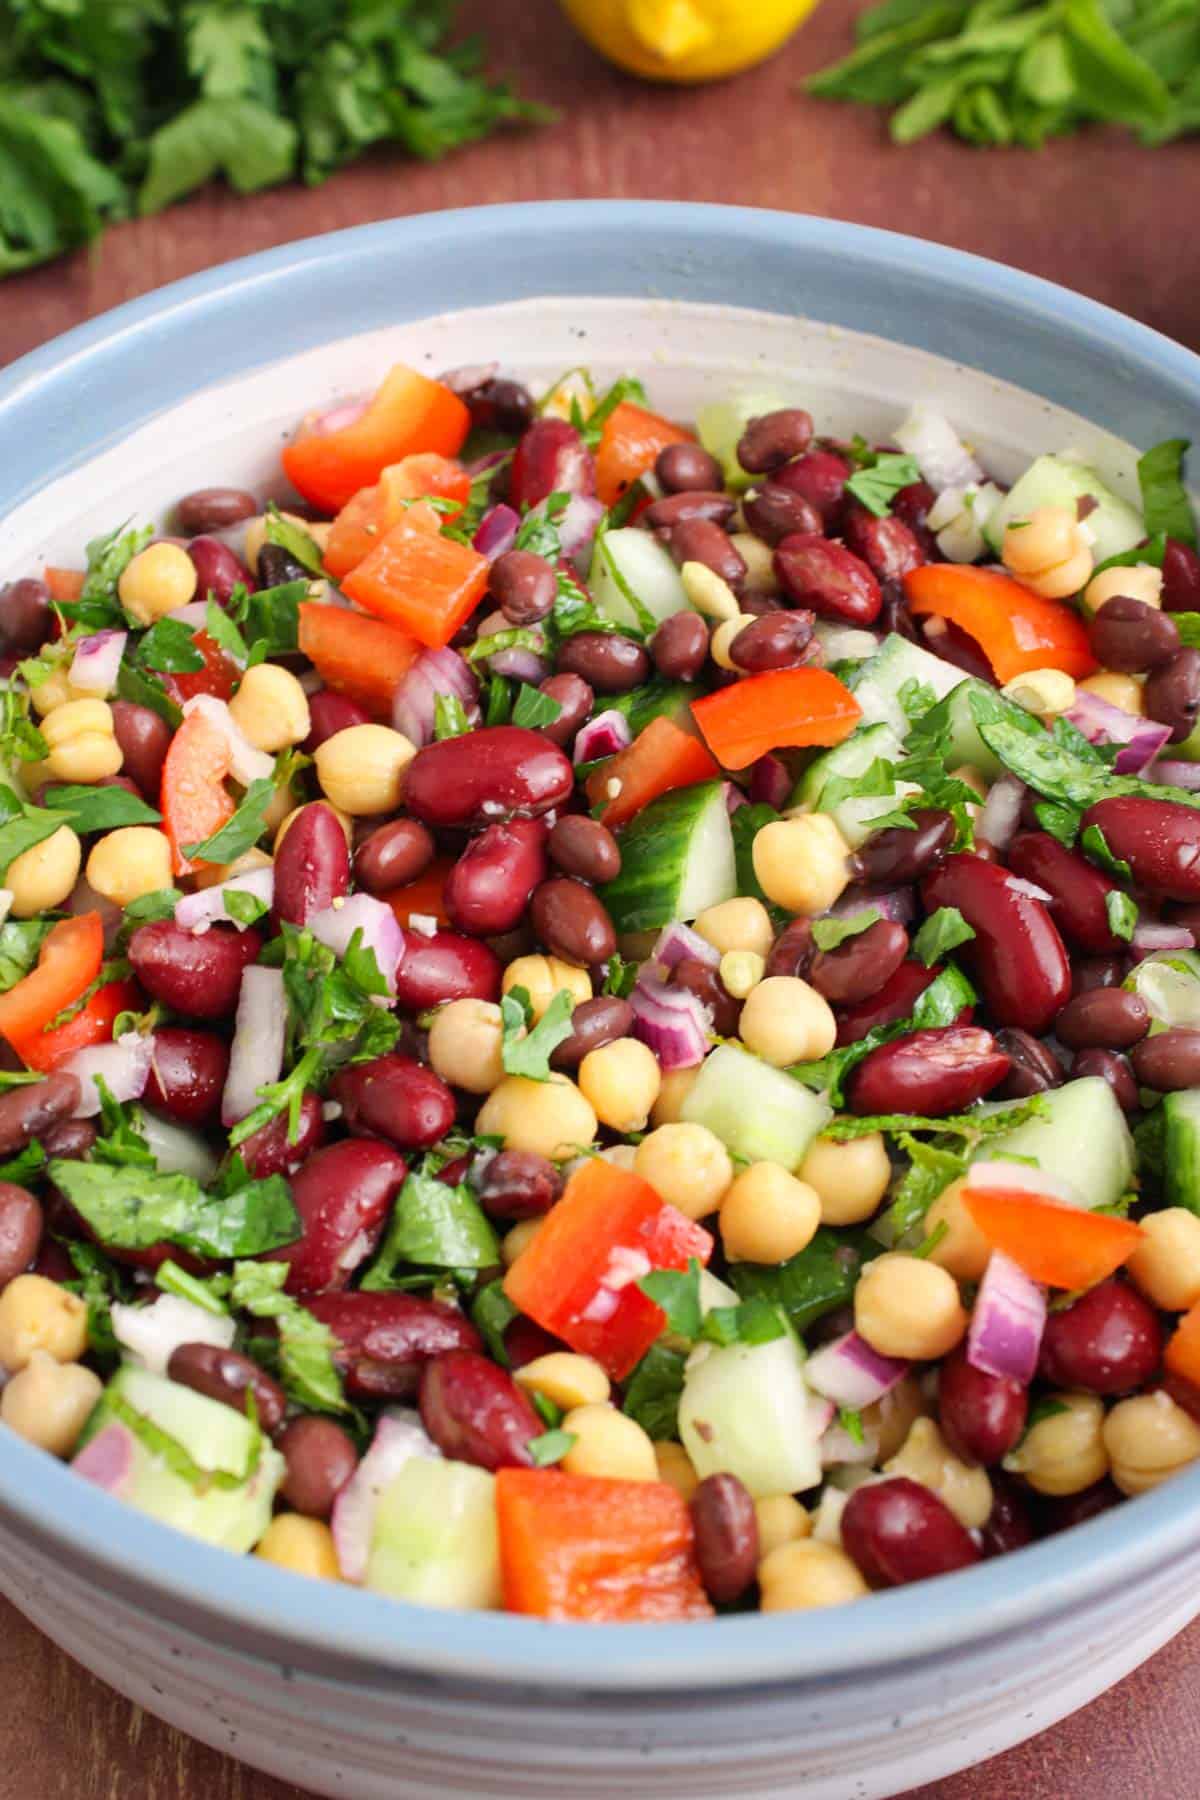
1096, 213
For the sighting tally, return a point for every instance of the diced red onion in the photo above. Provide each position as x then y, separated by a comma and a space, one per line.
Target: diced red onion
1022, 1178
1007, 1322
603, 735
578, 526
819, 1416
107, 1460
196, 912
381, 931
1002, 812
153, 1333
521, 664
497, 532
940, 454
256, 1054
194, 614
770, 783
840, 1450
898, 903
399, 1436
1149, 935
1030, 889
97, 661
678, 943
246, 764
1172, 773
469, 377
1103, 723
735, 799
671, 1021
123, 1066
435, 672
851, 1374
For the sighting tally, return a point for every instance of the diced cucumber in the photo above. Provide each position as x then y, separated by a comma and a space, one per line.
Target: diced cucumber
676, 860
1181, 1149
870, 743
657, 700
721, 424
746, 1411
1169, 982
878, 683
214, 1436
967, 749
434, 1538
1058, 481
757, 1112
176, 1150
844, 643
1081, 1138
633, 575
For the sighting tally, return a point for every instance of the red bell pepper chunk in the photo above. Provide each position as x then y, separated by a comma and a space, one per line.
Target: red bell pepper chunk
783, 709
1181, 1363
1061, 1245
92, 1024
194, 801
427, 585
359, 657
426, 896
64, 584
410, 413
68, 963
662, 757
578, 1278
596, 1551
1016, 629
629, 446
373, 511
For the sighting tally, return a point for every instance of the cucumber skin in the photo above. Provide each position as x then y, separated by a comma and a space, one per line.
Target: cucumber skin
657, 700
654, 847
1060, 480
1181, 1116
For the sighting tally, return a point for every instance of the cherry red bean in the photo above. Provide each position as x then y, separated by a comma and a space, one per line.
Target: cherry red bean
888, 546
774, 438
820, 477
1035, 1068
897, 854
584, 848
777, 640
595, 1022
1111, 1068
688, 468
187, 1073
1181, 578
1129, 636
487, 775
524, 586
792, 952
572, 922
1079, 889
1017, 954
519, 1184
320, 1460
607, 661
393, 855
524, 1342
488, 889
476, 1413
829, 579
1009, 1525
72, 1140
343, 1194
384, 1340
773, 513
214, 509
1171, 694
861, 965
575, 699
396, 1098
982, 1415
1103, 1019
704, 541
1055, 1515
930, 1072
144, 740
330, 713
1089, 972
551, 458
898, 1531
20, 1230
228, 1376
197, 976
701, 979
680, 646
694, 503
499, 404
893, 1002
312, 865
1169, 1061
1109, 1341
726, 1529
270, 1151
1159, 839
276, 564
30, 1112
446, 966
26, 620
218, 569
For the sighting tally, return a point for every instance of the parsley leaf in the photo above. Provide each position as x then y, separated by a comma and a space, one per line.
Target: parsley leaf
815, 1281
449, 717
107, 559
550, 1447
677, 1293
877, 486
100, 808
433, 1225
294, 539
653, 1393
20, 941
1095, 846
307, 1348
170, 647
1166, 507
1122, 913
492, 1312
626, 387
224, 633
132, 1207
525, 1052
829, 933
943, 930
242, 831
851, 1423
534, 709
270, 618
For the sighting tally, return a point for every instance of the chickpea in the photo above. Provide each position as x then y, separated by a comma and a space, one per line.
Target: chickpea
688, 1165
907, 1307
286, 823
130, 862
620, 1156
786, 1021
361, 770
964, 1251
723, 636
1046, 692
1141, 582
1148, 1439
565, 1378
800, 862
737, 925
271, 708
303, 1545
211, 874
544, 976
760, 577
1065, 1452
48, 1402
1166, 1263
892, 1418
37, 1314
54, 692
676, 1085
1049, 552
41, 879
621, 1082
551, 1118
926, 1457
1119, 690
159, 579
768, 1215
804, 1574
741, 971
675, 1468
515, 1242
82, 745
708, 592
781, 1520
609, 1444
850, 1179
464, 1045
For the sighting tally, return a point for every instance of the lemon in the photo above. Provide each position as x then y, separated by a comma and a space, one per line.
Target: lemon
686, 40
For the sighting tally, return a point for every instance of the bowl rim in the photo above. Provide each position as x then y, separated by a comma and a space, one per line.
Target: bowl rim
365, 1636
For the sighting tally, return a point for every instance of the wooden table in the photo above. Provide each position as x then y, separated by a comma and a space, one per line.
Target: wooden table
1097, 213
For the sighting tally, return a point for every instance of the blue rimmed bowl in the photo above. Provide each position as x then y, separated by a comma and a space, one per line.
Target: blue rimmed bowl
345, 1692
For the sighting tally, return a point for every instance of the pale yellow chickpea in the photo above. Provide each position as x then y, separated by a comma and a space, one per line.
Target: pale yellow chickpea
925, 1456
159, 579
741, 971
270, 708
1118, 690
804, 1574
1141, 582
1046, 692
286, 823
54, 691
907, 1307
82, 745
676, 1085
781, 1520
892, 1418
1049, 552
620, 1081
760, 576
608, 1444
1166, 1263
48, 1402
737, 925
801, 863
465, 1038
1064, 1452
129, 862
768, 1215
1148, 1439
514, 1243
850, 1179
566, 1379
963, 1251
722, 639
688, 1165
37, 1314
551, 1118
675, 1468
543, 977
41, 878
362, 769
785, 1021
303, 1545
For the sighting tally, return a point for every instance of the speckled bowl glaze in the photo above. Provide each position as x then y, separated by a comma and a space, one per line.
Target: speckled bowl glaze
350, 1694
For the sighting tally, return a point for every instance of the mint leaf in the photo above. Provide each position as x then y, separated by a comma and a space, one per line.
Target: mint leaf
550, 1447
91, 809
876, 487
242, 831
492, 1312
820, 1278
534, 709
170, 647
1095, 846
1122, 914
943, 931
829, 933
653, 1392
529, 1055
219, 626
677, 1292
1166, 507
939, 1005
436, 1226
20, 941
852, 1424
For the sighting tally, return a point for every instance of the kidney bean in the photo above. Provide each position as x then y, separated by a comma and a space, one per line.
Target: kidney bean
1113, 1069
792, 952
688, 468
894, 1001
1089, 972
1109, 1341
704, 541
982, 1416
1172, 693
144, 740
30, 1112
198, 976
26, 620
393, 855
488, 889
1017, 954
1063, 1513
551, 458
20, 1230
500, 404
861, 965
828, 578
608, 662
820, 477
584, 848
931, 1072
1131, 637
703, 981
1159, 839
1009, 1525
887, 546
476, 1413
277, 565
445, 966
227, 1376
593, 1023
487, 775
214, 509
571, 921
679, 647
524, 1342
726, 1531
1103, 1019
946, 640
330, 713
778, 640
519, 1184
524, 586
774, 512
73, 1140
1181, 578
898, 1531
1079, 889
576, 700
384, 1340
396, 1098
773, 439
320, 1460
343, 1194
677, 509
912, 504
269, 1151
187, 1074
1169, 1061
1035, 1068
219, 570
312, 865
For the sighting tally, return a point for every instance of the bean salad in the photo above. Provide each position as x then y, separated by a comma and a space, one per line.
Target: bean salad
600, 1016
